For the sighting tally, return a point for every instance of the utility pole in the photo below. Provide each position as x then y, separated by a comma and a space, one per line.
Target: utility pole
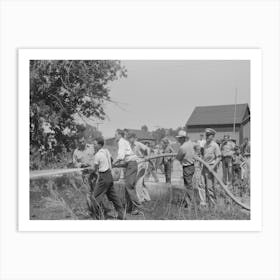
234, 120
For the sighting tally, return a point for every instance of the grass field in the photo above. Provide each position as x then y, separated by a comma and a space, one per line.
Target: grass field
64, 197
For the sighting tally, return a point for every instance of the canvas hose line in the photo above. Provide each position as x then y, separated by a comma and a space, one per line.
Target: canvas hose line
52, 172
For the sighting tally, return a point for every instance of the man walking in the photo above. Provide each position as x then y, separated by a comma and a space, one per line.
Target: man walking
186, 157
212, 156
129, 160
104, 185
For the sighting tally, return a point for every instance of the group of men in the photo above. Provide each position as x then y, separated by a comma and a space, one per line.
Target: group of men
98, 164
197, 178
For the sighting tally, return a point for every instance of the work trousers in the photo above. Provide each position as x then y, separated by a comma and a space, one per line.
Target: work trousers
167, 171
227, 169
130, 175
105, 186
188, 172
209, 186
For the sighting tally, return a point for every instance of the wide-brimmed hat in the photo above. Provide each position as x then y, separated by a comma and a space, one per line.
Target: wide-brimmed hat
182, 133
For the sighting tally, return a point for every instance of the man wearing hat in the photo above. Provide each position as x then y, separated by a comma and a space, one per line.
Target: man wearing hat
186, 155
212, 156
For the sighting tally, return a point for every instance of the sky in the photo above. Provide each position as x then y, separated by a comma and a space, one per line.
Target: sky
164, 93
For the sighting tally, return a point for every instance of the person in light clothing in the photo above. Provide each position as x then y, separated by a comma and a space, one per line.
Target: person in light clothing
141, 152
104, 186
186, 157
84, 153
127, 158
212, 156
201, 143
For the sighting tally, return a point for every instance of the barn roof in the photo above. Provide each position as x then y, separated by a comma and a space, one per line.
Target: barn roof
218, 115
142, 135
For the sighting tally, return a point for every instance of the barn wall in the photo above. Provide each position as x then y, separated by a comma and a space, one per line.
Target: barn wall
194, 133
247, 130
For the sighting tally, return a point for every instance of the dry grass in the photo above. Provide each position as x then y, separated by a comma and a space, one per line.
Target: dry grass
65, 198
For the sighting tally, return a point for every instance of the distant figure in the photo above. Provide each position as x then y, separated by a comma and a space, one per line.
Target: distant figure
212, 156
238, 160
186, 157
104, 185
127, 158
246, 147
227, 149
201, 142
167, 161
141, 152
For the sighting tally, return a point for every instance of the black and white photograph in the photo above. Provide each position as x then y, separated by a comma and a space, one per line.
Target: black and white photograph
139, 139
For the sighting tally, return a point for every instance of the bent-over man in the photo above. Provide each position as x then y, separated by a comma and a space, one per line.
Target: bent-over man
104, 185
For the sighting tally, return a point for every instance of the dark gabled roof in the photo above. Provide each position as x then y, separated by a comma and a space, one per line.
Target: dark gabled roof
218, 115
142, 135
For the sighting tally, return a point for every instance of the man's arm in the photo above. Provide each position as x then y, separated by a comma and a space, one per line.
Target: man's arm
180, 155
121, 152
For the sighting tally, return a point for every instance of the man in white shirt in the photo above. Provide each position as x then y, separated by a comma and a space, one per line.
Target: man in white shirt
127, 158
104, 186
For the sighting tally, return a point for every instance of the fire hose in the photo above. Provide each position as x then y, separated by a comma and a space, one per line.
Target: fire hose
55, 172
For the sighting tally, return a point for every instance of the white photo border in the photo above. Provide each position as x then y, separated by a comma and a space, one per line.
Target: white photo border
255, 57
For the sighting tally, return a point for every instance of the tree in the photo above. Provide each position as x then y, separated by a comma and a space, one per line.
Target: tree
144, 128
61, 89
159, 134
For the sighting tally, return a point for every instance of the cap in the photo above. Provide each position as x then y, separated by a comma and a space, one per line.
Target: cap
182, 133
210, 131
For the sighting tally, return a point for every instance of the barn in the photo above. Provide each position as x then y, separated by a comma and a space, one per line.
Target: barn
221, 118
